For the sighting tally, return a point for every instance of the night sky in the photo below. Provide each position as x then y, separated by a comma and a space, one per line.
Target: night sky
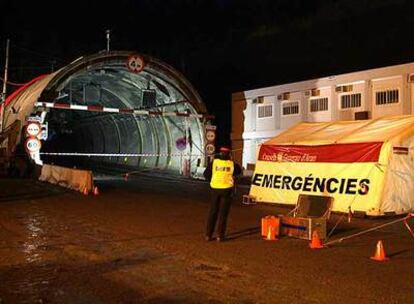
221, 46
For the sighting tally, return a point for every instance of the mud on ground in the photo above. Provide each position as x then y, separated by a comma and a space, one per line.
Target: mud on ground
142, 241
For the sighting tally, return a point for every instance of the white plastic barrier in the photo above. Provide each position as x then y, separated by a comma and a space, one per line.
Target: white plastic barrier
75, 179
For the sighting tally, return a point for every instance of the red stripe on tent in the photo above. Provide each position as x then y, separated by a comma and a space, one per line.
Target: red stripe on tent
22, 88
335, 153
95, 108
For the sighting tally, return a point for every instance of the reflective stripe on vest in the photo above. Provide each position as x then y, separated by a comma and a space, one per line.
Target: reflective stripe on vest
222, 177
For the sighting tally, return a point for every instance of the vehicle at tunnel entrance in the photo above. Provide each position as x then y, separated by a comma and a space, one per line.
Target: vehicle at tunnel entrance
113, 111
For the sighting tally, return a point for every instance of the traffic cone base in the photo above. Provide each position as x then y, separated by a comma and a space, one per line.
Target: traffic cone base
316, 242
379, 259
379, 253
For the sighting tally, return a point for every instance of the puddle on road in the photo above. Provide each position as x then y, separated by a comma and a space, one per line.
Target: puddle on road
34, 239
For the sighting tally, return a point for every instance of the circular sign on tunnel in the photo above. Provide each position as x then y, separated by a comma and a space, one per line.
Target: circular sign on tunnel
33, 129
210, 135
135, 63
210, 148
181, 143
33, 145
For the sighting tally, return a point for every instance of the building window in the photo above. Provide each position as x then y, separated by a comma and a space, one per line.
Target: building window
258, 99
265, 111
386, 97
290, 108
319, 104
350, 101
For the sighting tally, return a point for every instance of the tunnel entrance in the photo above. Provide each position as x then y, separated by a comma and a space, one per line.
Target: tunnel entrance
117, 111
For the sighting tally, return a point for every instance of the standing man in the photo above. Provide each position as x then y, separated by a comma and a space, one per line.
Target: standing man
220, 173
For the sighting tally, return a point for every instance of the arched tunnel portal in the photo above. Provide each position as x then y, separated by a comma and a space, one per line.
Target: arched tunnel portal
114, 111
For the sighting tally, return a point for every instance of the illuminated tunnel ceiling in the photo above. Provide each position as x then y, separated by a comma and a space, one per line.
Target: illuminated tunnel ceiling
104, 80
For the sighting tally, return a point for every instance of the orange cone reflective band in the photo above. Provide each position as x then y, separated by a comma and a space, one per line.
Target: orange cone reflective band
95, 191
379, 253
270, 233
316, 242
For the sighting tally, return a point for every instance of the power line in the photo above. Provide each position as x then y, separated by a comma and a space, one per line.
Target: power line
12, 83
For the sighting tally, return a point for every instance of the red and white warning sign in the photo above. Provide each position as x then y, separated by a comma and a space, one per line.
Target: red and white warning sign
135, 63
181, 143
33, 145
210, 148
210, 133
33, 129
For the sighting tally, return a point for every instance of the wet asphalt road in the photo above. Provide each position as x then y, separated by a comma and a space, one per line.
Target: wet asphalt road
141, 241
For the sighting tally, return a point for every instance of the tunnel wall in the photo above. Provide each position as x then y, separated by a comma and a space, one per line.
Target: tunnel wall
104, 80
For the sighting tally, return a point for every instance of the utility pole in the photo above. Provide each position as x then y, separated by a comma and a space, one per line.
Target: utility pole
5, 78
108, 39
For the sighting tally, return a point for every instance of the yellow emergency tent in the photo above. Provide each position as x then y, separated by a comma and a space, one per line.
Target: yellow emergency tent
367, 166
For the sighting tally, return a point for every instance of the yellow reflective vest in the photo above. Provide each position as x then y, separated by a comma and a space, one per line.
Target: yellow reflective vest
222, 174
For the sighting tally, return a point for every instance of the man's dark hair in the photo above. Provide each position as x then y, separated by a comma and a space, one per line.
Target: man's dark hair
223, 156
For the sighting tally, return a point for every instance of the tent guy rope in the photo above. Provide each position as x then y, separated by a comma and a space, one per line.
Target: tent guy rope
404, 219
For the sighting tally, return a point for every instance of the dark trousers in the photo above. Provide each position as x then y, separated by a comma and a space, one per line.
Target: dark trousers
219, 209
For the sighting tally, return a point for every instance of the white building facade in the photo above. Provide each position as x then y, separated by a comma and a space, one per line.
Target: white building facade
260, 114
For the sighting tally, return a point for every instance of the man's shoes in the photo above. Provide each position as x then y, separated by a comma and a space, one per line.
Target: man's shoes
220, 239
208, 238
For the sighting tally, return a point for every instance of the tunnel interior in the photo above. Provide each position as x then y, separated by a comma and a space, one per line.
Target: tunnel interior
157, 141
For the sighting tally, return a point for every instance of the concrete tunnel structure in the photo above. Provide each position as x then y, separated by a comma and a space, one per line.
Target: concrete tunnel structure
104, 81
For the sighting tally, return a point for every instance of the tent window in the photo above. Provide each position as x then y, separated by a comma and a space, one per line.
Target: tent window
290, 108
319, 104
386, 97
351, 101
265, 111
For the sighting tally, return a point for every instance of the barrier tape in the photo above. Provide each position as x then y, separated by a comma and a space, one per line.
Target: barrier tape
116, 154
98, 108
12, 83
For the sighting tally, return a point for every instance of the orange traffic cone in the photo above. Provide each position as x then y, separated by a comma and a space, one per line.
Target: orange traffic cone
270, 233
126, 177
316, 242
85, 191
265, 221
379, 253
95, 190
